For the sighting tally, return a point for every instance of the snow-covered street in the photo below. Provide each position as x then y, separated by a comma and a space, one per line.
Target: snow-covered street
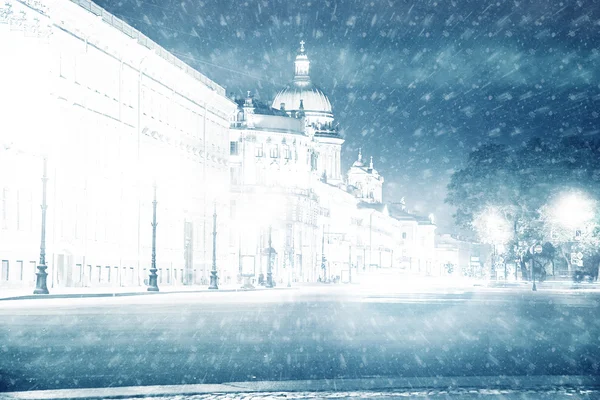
303, 334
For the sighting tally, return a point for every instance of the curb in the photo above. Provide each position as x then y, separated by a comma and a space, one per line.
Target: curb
129, 294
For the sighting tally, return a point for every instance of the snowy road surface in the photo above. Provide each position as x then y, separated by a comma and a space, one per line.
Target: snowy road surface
310, 333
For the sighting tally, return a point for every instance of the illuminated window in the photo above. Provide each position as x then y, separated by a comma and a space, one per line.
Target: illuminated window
20, 269
33, 269
25, 210
259, 151
4, 207
235, 175
232, 208
234, 148
18, 210
274, 151
4, 275
313, 161
76, 219
260, 175
288, 235
78, 273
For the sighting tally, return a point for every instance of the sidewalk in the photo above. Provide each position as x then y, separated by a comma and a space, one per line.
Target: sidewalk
119, 291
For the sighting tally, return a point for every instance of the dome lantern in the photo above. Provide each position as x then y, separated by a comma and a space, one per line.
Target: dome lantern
302, 66
314, 101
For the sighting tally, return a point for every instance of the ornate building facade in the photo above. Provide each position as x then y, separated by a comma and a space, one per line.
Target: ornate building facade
287, 184
114, 115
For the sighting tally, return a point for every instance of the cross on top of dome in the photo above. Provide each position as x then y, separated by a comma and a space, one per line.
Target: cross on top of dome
302, 43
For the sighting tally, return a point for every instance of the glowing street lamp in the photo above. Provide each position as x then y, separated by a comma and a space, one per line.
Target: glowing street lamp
570, 218
494, 229
574, 210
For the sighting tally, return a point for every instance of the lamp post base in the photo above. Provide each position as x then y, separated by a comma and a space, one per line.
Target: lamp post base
534, 288
269, 282
213, 280
41, 286
247, 284
153, 281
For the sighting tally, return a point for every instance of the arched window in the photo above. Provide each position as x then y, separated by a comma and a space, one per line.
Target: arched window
286, 152
274, 150
313, 160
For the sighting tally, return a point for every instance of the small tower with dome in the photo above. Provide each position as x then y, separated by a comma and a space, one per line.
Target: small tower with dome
366, 180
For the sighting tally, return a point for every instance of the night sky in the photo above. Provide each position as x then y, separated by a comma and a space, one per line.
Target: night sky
416, 84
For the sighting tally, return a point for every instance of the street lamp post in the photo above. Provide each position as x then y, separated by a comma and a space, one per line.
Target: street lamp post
537, 249
533, 287
289, 272
370, 239
269, 283
41, 286
153, 278
213, 272
493, 269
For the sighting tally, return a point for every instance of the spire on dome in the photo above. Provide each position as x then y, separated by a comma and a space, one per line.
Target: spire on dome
300, 114
371, 163
358, 162
302, 43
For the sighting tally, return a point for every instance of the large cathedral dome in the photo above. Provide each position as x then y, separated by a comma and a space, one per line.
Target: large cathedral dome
302, 94
313, 98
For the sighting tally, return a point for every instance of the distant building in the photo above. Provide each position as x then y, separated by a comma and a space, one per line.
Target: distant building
468, 257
